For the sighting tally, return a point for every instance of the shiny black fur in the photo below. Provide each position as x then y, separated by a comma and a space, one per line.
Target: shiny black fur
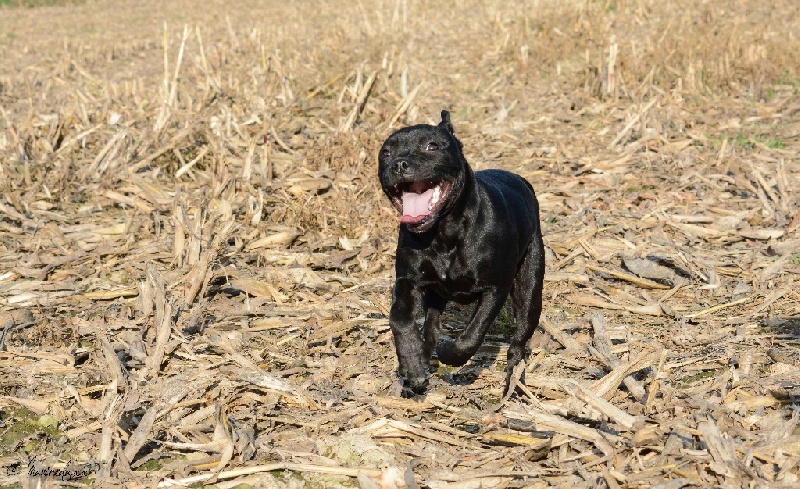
485, 244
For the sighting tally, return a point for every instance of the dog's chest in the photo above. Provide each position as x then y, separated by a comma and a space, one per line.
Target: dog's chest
452, 278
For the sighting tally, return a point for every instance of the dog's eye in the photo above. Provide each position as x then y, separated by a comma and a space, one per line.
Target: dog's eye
431, 147
385, 153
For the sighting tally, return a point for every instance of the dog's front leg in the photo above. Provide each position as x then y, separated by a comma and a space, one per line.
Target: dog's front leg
458, 352
434, 305
408, 341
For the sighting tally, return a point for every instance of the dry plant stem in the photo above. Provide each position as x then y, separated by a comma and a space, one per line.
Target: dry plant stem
162, 323
363, 94
188, 166
112, 412
720, 307
549, 422
602, 345
404, 105
632, 122
566, 340
112, 361
170, 95
230, 474
640, 282
140, 436
606, 408
652, 389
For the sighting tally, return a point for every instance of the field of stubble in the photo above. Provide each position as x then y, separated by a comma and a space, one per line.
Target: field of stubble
196, 259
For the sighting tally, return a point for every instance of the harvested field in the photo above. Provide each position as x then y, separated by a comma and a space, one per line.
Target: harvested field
196, 258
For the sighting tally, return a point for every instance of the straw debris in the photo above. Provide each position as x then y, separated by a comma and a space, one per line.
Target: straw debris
196, 259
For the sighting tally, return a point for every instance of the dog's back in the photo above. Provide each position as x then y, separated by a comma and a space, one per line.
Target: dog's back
518, 199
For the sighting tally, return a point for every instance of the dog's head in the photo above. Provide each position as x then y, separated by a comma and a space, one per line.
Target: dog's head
422, 171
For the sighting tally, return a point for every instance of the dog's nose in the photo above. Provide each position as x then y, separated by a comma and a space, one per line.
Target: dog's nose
400, 166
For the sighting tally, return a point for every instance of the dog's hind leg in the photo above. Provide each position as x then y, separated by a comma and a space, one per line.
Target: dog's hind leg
458, 352
526, 300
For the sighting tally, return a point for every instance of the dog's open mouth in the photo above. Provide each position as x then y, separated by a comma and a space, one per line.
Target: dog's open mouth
419, 202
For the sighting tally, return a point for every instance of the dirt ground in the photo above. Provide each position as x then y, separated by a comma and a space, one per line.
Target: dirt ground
196, 259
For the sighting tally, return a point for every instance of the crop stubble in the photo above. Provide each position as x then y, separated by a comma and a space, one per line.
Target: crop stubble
196, 258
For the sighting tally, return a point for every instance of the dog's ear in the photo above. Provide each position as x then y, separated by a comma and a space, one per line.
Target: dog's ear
446, 124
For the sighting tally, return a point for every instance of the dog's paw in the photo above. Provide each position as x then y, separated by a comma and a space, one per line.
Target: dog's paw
414, 387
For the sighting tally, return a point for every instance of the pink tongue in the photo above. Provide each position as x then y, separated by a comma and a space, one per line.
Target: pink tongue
415, 206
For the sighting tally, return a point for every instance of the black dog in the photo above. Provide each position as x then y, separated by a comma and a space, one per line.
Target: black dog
464, 237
